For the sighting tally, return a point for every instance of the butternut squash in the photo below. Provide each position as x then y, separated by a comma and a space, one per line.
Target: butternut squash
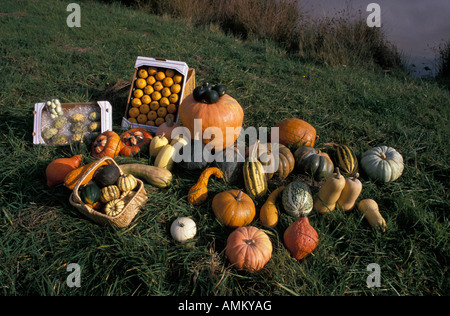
369, 208
350, 193
325, 200
269, 212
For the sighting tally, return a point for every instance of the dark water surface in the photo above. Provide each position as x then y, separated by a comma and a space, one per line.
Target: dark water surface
416, 27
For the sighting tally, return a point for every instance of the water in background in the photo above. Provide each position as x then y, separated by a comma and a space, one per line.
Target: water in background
415, 27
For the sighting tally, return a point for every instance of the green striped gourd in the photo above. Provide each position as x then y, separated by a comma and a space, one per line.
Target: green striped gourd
346, 160
109, 193
254, 177
297, 199
126, 182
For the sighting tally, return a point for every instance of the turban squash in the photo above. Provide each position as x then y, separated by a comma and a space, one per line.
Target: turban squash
108, 144
134, 141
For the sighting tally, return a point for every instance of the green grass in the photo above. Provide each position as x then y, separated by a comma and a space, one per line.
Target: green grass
42, 233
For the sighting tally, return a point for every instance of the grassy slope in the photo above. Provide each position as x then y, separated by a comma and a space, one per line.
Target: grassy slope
42, 233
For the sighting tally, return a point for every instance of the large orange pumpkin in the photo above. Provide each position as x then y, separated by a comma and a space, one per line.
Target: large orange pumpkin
134, 141
233, 208
294, 132
226, 112
108, 144
248, 248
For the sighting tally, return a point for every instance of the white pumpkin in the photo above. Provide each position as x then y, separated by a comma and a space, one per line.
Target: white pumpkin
183, 228
383, 163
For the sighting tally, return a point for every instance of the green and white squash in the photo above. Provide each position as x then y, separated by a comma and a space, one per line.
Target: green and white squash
114, 207
109, 193
383, 163
297, 199
126, 182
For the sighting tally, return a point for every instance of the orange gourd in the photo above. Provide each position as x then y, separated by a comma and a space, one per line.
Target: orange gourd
199, 192
350, 193
269, 212
294, 132
300, 238
72, 177
325, 200
226, 112
233, 208
58, 169
248, 248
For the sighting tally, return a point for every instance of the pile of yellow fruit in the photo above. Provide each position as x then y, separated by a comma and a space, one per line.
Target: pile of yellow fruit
156, 96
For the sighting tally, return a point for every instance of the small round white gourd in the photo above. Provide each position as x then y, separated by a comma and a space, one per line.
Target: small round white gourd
183, 228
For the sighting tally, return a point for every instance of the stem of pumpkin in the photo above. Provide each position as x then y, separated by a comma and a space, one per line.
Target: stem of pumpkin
250, 242
382, 156
239, 196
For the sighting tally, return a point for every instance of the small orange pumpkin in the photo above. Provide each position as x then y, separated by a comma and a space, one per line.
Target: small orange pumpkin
233, 208
248, 248
134, 141
108, 144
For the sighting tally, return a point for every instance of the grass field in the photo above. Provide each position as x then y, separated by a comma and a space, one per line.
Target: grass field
41, 233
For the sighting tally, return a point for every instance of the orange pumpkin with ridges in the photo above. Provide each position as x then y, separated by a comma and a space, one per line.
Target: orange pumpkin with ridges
294, 132
226, 112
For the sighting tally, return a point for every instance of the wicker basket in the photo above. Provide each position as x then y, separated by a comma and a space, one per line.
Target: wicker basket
133, 202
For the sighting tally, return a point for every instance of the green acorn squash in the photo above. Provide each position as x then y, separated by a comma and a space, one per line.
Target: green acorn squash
313, 162
90, 193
